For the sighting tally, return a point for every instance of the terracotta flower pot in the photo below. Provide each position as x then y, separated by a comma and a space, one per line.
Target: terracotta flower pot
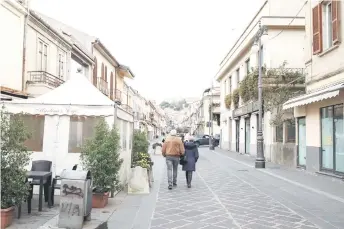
6, 217
100, 200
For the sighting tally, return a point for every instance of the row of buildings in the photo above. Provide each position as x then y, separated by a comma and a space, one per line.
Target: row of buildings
40, 53
303, 82
303, 87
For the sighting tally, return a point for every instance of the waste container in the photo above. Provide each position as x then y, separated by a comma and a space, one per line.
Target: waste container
75, 198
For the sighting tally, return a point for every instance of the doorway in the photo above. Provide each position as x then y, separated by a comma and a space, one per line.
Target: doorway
237, 135
302, 146
247, 135
229, 134
332, 138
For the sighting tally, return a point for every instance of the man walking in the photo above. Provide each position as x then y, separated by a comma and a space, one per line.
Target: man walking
172, 149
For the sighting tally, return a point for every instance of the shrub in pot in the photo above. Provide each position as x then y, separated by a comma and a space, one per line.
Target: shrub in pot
100, 155
14, 158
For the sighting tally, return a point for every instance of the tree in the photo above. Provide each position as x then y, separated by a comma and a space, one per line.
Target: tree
14, 158
101, 156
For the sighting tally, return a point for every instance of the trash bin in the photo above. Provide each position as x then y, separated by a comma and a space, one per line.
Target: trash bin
75, 198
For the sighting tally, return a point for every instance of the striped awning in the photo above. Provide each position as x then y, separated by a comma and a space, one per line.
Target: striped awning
327, 93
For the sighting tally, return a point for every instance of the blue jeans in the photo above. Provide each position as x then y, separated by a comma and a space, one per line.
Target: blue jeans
172, 169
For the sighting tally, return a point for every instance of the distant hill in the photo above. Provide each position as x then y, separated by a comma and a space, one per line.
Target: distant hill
175, 105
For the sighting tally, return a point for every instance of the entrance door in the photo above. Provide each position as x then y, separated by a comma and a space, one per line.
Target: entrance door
327, 138
247, 135
237, 135
301, 142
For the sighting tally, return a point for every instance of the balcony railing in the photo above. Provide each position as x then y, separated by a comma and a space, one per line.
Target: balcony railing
44, 78
116, 95
127, 108
102, 85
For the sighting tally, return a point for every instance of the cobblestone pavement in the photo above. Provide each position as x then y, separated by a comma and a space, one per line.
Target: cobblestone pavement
219, 199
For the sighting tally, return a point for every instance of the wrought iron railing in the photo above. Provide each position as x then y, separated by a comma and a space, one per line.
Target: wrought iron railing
128, 108
44, 78
102, 85
116, 95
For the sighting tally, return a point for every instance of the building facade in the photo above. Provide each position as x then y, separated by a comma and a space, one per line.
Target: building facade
281, 52
319, 113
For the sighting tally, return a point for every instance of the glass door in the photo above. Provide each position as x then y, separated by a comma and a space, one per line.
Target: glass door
237, 135
339, 138
302, 142
327, 138
247, 135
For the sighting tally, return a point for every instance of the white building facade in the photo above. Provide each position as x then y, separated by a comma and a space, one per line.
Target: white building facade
284, 44
319, 113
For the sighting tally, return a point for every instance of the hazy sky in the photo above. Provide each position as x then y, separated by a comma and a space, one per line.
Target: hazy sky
174, 47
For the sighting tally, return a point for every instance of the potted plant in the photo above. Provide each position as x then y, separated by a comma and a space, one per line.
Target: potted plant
14, 158
100, 155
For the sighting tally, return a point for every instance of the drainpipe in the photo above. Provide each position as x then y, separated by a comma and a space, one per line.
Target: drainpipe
26, 18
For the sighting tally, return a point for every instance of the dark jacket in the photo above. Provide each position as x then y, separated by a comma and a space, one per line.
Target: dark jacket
191, 154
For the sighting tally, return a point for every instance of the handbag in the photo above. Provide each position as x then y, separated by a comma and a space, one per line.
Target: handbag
183, 160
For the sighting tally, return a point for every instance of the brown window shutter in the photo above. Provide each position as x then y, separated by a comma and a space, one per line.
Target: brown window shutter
105, 77
102, 76
317, 29
95, 69
335, 21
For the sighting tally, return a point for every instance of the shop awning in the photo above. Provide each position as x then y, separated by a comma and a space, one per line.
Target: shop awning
327, 93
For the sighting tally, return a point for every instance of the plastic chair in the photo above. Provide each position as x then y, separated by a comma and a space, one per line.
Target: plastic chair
44, 166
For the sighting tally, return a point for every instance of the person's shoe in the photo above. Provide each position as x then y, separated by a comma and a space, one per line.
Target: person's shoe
170, 187
189, 185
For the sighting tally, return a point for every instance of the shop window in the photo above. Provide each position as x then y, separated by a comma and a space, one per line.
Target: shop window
35, 127
290, 131
279, 133
80, 129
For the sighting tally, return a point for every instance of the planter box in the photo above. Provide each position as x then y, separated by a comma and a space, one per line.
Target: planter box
6, 217
100, 200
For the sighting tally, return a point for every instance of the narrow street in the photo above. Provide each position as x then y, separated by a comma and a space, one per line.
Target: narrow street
228, 193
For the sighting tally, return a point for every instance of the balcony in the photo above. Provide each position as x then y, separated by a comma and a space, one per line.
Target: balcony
127, 108
116, 95
102, 85
41, 82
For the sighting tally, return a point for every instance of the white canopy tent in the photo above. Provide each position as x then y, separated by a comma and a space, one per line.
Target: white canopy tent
76, 97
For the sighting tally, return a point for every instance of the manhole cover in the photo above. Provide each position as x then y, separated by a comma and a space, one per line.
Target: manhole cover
242, 170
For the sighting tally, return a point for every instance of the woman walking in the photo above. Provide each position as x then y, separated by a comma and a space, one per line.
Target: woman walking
191, 157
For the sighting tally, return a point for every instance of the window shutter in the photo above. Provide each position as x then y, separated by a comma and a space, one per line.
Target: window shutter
317, 30
111, 85
95, 69
335, 22
105, 77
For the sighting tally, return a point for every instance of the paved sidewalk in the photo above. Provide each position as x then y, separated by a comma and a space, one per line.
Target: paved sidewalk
331, 186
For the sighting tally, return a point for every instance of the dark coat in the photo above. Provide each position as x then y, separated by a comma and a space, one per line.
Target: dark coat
191, 154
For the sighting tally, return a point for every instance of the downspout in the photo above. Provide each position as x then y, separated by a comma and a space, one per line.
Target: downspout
26, 17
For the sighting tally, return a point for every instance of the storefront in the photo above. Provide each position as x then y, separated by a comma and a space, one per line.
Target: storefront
320, 130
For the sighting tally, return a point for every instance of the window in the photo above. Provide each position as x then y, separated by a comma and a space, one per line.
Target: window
225, 87
105, 76
131, 132
124, 134
230, 85
61, 65
279, 133
80, 129
247, 66
42, 56
35, 126
325, 25
238, 76
290, 131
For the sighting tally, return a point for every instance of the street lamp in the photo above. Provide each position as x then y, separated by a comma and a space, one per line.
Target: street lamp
260, 36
